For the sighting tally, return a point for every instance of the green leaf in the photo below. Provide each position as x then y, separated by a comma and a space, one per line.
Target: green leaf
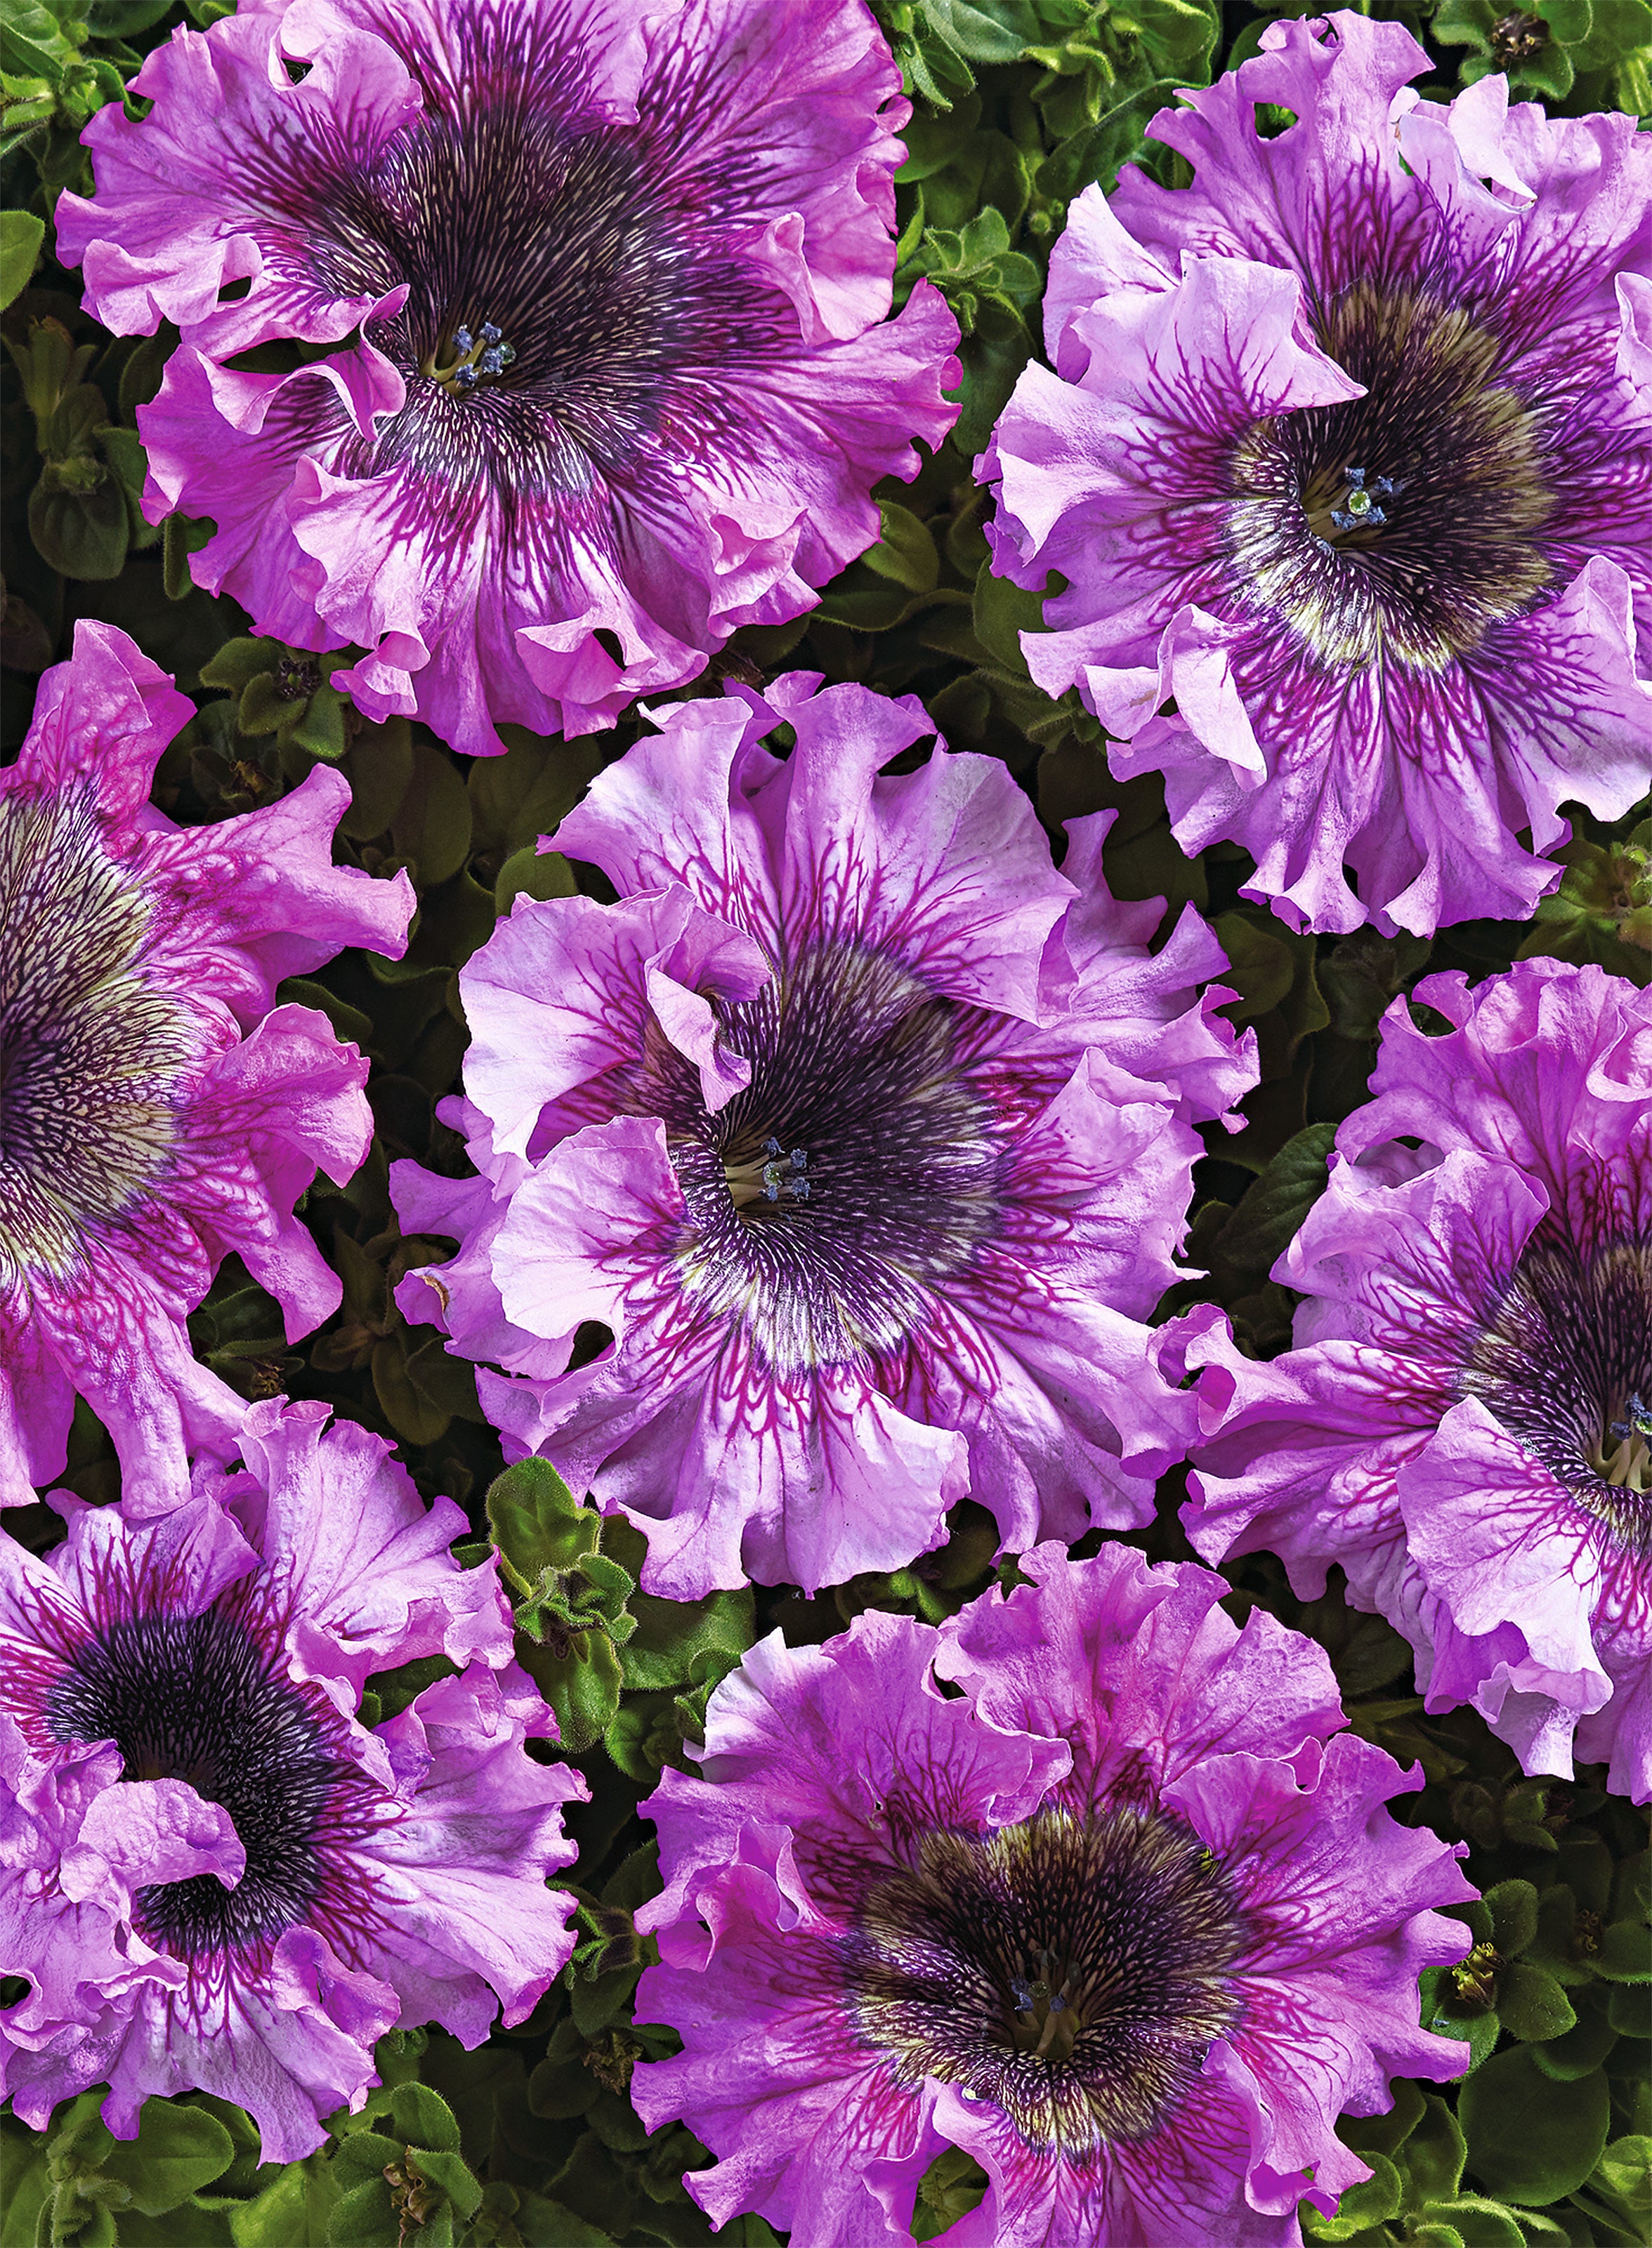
535, 872
21, 235
1433, 2154
364, 2156
27, 2181
1272, 1207
1386, 2133
581, 1682
905, 551
1477, 2223
365, 2218
1530, 2004
1513, 1907
431, 827
545, 2223
953, 2185
292, 2212
81, 533
1532, 2138
453, 2174
1373, 2200
1625, 1955
176, 2152
423, 2118
1579, 2050
1628, 2008
1623, 2178
537, 1521
671, 1635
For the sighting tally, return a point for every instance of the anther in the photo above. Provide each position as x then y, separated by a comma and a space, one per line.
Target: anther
1362, 508
475, 357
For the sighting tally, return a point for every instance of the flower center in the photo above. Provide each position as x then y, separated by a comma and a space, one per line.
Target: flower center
195, 1698
563, 313
1072, 1972
1401, 527
1628, 1464
857, 1172
90, 1052
1565, 1362
461, 362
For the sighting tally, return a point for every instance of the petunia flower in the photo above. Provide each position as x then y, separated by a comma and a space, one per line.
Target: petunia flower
1464, 1424
1127, 1920
865, 1134
212, 1873
589, 299
1347, 462
158, 1110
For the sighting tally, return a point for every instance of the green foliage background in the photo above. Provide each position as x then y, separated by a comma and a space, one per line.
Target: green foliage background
531, 2139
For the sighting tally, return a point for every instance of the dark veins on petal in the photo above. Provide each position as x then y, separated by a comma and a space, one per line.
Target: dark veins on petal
1402, 527
569, 319
1563, 1360
858, 1170
195, 1698
91, 1053
1072, 1972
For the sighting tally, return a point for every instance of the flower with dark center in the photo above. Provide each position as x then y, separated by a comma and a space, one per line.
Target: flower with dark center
1463, 1425
865, 1135
213, 1876
1346, 460
1124, 1918
570, 318
158, 1110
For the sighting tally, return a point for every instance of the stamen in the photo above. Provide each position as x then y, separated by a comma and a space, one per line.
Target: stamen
477, 357
1362, 508
1628, 1466
778, 1174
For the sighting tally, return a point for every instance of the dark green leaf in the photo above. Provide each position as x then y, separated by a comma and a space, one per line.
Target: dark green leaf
177, 2151
21, 235
1532, 2138
1530, 2004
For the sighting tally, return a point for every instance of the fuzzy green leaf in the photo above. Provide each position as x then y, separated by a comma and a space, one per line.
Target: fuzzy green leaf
1532, 2139
21, 235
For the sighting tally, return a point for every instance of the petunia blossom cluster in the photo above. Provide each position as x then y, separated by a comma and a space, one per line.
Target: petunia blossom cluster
1345, 459
1464, 1424
162, 1110
591, 299
863, 1134
214, 1875
1126, 1920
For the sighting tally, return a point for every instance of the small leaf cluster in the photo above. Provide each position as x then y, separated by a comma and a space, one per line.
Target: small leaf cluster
614, 1663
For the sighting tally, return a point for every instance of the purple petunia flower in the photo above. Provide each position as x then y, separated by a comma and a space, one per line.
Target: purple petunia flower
1127, 1923
1465, 1423
213, 1874
868, 1144
623, 379
161, 1111
1347, 457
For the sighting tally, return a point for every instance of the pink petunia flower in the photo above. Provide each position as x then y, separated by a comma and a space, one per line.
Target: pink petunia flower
1127, 1921
213, 1874
1347, 459
865, 1135
158, 1110
592, 298
1465, 1423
